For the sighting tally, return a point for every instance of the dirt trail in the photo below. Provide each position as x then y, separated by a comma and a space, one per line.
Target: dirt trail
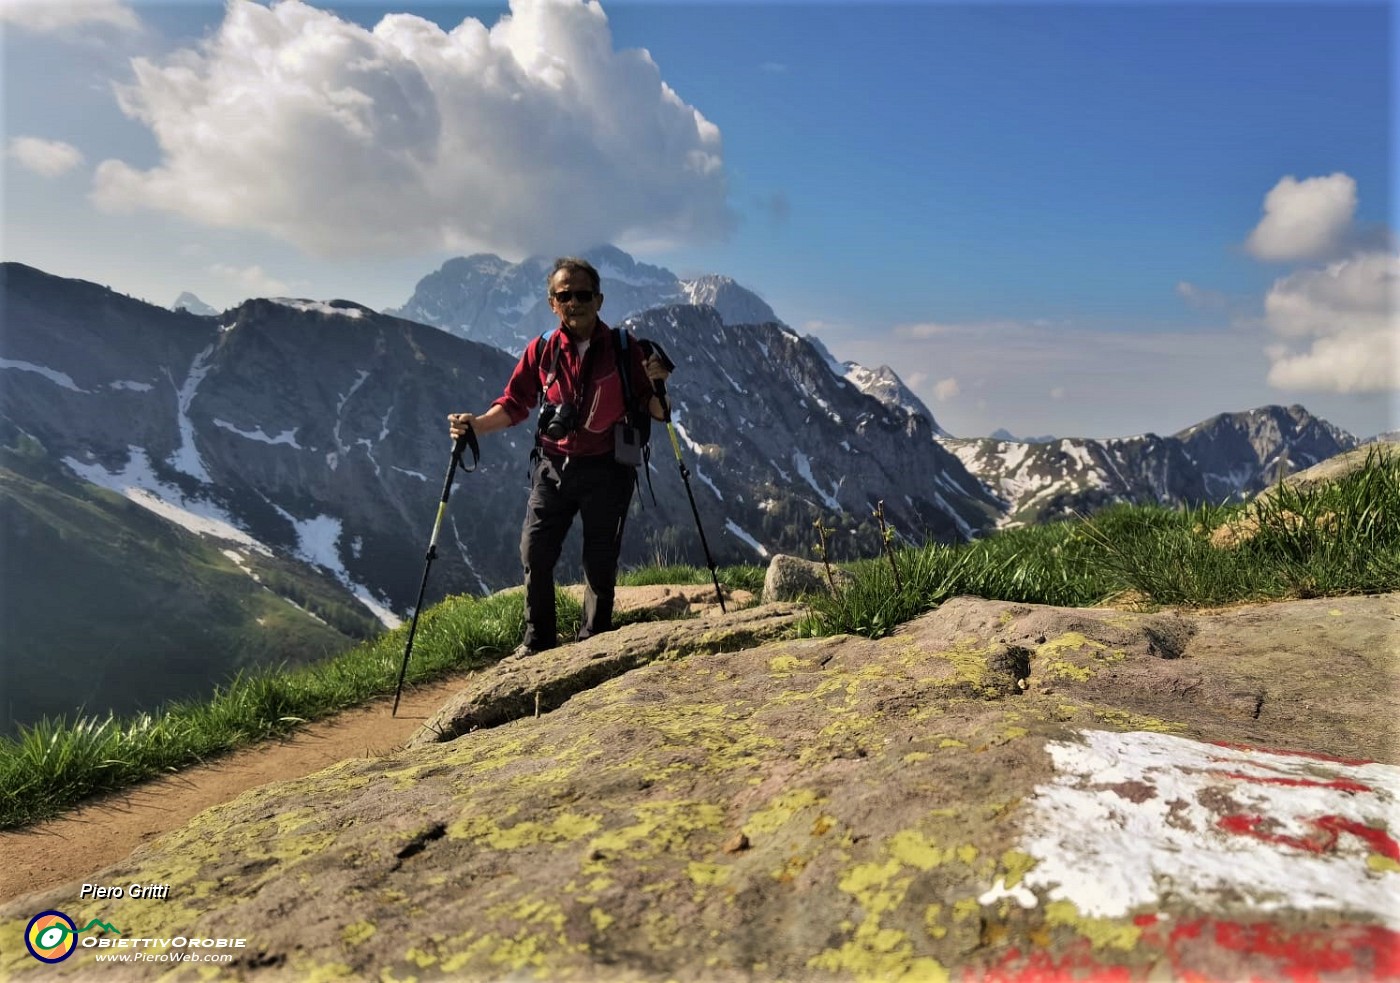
103, 832
107, 830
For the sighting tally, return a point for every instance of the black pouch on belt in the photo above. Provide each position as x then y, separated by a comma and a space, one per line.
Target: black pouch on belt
627, 445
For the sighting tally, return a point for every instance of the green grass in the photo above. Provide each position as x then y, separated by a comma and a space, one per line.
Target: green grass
1340, 539
1337, 539
57, 763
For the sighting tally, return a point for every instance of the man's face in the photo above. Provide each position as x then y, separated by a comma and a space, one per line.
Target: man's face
578, 315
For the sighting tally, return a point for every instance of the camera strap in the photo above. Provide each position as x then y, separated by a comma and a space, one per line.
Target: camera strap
580, 388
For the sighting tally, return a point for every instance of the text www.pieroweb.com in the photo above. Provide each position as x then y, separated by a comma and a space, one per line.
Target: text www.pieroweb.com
164, 957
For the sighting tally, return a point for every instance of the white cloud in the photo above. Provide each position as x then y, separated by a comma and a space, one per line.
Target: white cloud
253, 280
1305, 220
531, 136
48, 158
1057, 393
943, 389
1347, 311
58, 16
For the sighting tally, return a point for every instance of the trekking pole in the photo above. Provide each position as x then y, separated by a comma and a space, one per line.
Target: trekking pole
660, 389
468, 437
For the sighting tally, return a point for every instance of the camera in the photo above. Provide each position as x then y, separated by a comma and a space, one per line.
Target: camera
558, 420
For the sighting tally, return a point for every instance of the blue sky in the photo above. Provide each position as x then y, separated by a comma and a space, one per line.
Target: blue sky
1080, 219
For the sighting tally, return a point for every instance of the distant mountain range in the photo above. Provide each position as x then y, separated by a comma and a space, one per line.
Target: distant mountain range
1229, 457
1004, 434
299, 447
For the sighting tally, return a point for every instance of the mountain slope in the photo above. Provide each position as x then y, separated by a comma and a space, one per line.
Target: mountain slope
318, 430
107, 606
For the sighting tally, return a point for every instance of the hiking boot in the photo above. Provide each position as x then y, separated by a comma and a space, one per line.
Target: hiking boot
523, 651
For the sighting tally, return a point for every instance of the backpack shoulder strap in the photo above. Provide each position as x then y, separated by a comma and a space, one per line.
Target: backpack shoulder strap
545, 339
624, 369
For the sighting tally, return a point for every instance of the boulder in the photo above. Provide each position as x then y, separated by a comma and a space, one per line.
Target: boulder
791, 578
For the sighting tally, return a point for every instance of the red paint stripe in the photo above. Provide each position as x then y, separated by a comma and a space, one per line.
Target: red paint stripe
1323, 840
1380, 840
1242, 825
1266, 952
1294, 754
1340, 784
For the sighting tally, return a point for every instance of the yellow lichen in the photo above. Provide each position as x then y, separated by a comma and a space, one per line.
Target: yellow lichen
357, 933
1015, 865
564, 828
780, 811
913, 848
706, 874
1101, 932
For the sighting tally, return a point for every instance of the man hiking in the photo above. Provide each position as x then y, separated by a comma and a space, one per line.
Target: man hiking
575, 466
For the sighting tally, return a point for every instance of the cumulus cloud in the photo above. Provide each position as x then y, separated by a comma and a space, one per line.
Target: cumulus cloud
532, 135
943, 389
1305, 220
51, 17
1345, 317
47, 158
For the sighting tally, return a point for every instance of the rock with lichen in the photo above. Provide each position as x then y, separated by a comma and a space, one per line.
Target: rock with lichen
996, 790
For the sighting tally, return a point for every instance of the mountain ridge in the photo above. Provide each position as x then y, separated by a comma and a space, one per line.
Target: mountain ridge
315, 431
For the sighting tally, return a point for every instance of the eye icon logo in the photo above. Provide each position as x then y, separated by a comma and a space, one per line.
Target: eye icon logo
51, 937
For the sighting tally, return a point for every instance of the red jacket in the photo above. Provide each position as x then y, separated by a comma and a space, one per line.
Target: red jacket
591, 383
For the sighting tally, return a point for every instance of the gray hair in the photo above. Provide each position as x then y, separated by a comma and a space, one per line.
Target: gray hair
575, 265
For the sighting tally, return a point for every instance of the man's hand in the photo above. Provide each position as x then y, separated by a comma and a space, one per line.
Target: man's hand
459, 423
656, 369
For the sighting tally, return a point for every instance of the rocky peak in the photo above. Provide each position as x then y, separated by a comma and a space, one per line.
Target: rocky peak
491, 300
735, 304
189, 302
1241, 453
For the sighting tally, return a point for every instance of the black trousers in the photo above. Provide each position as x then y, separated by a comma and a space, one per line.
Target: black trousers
599, 490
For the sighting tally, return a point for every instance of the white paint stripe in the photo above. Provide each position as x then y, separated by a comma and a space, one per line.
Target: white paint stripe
1138, 820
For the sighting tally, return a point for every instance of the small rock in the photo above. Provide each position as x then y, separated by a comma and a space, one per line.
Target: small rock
737, 843
790, 578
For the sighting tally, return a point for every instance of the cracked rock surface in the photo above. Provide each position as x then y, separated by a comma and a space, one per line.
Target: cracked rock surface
998, 788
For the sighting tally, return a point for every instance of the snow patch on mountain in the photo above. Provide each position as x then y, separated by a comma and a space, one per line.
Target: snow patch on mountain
318, 307
318, 543
734, 530
288, 437
186, 457
138, 482
804, 469
61, 378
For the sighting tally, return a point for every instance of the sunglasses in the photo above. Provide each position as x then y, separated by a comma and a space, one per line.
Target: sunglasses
582, 296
